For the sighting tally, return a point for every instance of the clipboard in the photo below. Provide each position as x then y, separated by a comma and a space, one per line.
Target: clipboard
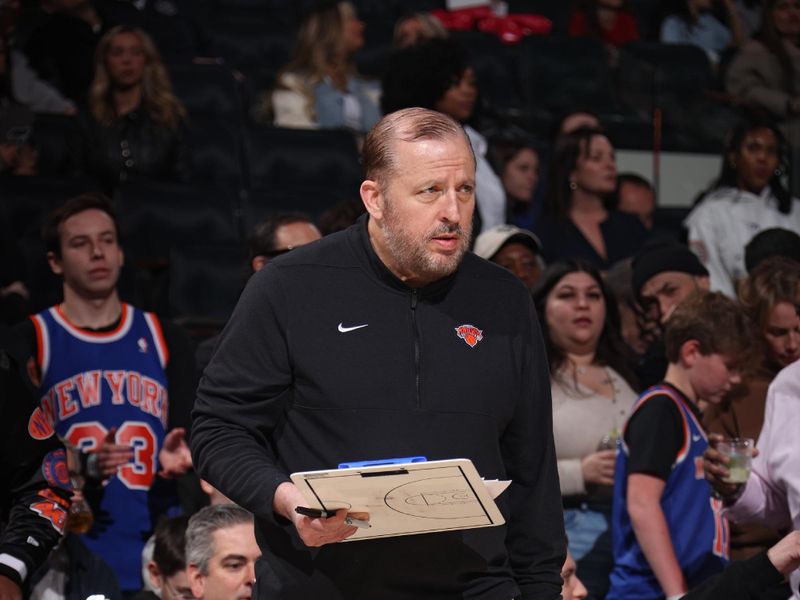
404, 499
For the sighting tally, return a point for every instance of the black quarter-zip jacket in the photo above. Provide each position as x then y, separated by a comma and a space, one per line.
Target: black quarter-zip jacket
328, 358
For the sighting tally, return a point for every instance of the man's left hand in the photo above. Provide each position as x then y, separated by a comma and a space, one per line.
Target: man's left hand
175, 458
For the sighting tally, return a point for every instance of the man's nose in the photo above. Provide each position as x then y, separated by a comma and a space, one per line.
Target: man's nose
449, 208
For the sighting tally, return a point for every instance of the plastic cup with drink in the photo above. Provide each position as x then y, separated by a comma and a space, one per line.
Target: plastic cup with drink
740, 454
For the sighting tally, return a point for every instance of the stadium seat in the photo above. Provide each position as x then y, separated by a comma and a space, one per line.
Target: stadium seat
154, 217
287, 157
556, 73
25, 201
308, 199
215, 149
207, 89
56, 139
249, 47
205, 281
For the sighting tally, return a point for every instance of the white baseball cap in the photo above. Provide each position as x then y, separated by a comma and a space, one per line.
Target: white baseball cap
488, 243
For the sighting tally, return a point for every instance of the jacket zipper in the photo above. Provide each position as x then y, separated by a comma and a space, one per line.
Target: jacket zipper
416, 344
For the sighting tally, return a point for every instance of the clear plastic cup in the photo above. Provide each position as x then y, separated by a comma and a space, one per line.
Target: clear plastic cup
740, 453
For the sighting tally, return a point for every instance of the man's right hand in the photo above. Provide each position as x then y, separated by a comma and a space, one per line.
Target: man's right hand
9, 590
313, 532
111, 456
715, 466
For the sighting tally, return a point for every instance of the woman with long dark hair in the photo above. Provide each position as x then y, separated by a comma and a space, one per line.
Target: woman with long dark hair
583, 174
592, 386
747, 197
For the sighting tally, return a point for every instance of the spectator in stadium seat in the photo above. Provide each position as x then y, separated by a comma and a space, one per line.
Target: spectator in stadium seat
765, 75
576, 223
437, 75
516, 162
747, 197
514, 249
592, 386
610, 21
221, 551
692, 23
775, 241
167, 569
635, 196
135, 126
320, 87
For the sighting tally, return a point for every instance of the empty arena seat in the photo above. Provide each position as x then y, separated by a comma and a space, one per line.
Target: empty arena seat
207, 89
286, 157
205, 281
216, 149
154, 217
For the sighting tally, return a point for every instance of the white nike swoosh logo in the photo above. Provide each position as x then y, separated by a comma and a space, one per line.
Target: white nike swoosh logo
344, 329
695, 438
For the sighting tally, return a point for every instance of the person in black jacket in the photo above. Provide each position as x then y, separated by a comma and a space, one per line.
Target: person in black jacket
388, 339
135, 126
36, 489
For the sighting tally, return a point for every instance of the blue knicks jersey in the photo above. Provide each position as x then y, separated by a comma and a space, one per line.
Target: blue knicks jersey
698, 531
92, 382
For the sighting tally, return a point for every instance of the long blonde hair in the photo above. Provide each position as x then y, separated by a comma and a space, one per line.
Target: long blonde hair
320, 45
157, 98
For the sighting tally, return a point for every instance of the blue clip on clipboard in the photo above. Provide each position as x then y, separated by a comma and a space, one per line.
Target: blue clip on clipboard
380, 462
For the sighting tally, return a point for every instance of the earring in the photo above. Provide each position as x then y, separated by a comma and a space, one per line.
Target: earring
778, 172
573, 186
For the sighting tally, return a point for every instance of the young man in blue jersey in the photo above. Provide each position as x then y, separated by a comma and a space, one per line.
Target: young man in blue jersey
108, 377
668, 534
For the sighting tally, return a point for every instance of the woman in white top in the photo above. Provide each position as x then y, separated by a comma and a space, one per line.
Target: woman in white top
747, 197
320, 86
592, 387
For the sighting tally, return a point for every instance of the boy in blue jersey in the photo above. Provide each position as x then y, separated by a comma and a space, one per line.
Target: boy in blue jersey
668, 534
103, 368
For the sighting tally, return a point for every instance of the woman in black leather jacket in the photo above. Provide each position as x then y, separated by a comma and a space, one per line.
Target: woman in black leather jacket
135, 126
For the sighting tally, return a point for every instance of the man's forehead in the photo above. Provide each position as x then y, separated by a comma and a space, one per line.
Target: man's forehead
660, 279
450, 150
88, 220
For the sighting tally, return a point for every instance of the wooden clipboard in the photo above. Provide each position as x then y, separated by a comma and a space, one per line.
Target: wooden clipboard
406, 498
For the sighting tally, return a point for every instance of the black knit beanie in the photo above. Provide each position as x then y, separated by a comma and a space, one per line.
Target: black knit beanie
658, 258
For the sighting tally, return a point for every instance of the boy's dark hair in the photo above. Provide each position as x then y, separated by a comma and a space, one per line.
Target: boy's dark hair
170, 541
51, 230
717, 323
262, 240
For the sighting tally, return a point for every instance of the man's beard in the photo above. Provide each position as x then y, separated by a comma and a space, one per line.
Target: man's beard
412, 255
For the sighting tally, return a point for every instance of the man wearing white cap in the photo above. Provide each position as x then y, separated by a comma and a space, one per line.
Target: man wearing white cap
513, 248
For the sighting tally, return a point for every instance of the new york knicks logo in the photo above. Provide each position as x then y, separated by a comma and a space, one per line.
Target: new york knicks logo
470, 334
39, 426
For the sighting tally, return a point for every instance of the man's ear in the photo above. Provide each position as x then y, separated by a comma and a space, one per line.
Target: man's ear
372, 197
55, 263
703, 282
154, 575
196, 580
258, 263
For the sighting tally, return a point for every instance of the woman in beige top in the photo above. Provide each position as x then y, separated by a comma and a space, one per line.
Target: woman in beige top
593, 390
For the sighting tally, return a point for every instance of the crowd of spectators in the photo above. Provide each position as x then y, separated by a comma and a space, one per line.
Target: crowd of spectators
705, 306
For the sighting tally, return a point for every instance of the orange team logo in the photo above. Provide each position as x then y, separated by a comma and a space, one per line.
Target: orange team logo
470, 334
39, 426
